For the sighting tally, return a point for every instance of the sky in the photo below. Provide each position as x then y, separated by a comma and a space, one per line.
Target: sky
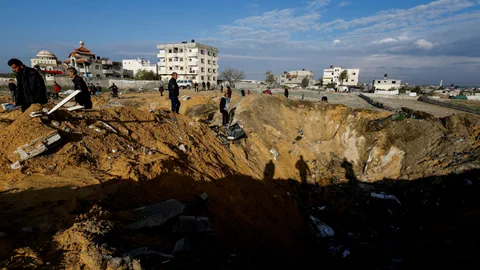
416, 41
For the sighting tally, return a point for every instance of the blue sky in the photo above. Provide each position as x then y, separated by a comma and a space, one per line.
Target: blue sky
418, 41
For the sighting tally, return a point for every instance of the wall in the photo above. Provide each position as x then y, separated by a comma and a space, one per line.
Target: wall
390, 93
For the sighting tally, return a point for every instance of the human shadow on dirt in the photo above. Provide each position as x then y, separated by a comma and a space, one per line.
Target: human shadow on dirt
266, 223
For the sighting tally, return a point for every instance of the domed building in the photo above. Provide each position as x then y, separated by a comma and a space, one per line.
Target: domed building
48, 63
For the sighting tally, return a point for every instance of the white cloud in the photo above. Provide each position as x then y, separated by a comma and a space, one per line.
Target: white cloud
284, 19
315, 4
344, 4
255, 57
337, 41
386, 40
424, 44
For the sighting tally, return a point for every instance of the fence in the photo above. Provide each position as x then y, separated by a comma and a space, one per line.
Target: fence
459, 107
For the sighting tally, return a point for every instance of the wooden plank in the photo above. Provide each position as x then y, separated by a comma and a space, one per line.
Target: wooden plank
65, 100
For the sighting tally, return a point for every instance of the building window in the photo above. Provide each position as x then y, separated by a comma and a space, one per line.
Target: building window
394, 82
215, 55
203, 78
214, 78
181, 68
209, 70
170, 68
181, 50
214, 71
353, 80
203, 61
203, 69
214, 62
170, 51
202, 52
181, 59
354, 73
378, 81
209, 54
169, 59
189, 50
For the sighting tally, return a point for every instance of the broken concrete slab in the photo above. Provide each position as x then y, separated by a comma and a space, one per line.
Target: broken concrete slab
385, 197
39, 146
16, 165
155, 214
192, 224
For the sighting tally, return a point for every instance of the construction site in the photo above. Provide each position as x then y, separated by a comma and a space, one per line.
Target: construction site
308, 184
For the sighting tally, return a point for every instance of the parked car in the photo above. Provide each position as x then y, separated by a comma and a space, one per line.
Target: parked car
185, 84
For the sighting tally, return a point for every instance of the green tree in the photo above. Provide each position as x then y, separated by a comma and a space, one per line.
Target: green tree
331, 85
320, 81
269, 77
305, 82
146, 75
343, 76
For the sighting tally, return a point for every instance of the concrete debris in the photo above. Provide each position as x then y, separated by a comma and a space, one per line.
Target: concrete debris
385, 197
185, 98
108, 126
155, 214
323, 229
16, 165
191, 224
182, 147
74, 108
56, 123
274, 153
38, 146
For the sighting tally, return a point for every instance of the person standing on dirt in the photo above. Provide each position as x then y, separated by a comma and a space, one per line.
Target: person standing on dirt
224, 109
229, 93
30, 85
248, 92
303, 169
161, 87
221, 88
203, 86
173, 93
56, 90
286, 92
13, 89
99, 88
208, 85
83, 98
114, 90
243, 92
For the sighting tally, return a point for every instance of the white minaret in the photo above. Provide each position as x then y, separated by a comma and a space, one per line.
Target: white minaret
441, 83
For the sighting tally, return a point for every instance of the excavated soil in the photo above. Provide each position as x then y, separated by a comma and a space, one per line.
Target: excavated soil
66, 208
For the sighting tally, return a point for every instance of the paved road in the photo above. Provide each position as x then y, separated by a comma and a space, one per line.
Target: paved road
437, 111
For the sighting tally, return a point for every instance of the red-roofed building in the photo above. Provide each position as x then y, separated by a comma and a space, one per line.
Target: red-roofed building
90, 66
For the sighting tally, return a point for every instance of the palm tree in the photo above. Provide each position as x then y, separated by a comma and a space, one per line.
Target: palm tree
343, 76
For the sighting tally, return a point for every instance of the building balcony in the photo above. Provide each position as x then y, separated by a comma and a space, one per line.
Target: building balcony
107, 71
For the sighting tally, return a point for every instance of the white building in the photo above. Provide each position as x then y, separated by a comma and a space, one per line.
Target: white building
295, 78
192, 61
48, 63
332, 75
386, 84
132, 66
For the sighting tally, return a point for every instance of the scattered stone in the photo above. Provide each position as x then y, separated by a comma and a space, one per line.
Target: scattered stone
155, 214
108, 126
182, 147
385, 197
204, 196
323, 229
16, 165
191, 224
274, 153
185, 97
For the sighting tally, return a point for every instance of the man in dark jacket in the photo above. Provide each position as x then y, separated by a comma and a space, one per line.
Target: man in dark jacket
224, 109
31, 87
203, 86
173, 93
286, 92
79, 84
13, 89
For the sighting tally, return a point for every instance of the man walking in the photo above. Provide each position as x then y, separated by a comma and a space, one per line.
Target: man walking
83, 98
13, 89
224, 109
114, 90
286, 92
161, 87
99, 88
173, 93
30, 85
221, 88
56, 89
203, 86
208, 86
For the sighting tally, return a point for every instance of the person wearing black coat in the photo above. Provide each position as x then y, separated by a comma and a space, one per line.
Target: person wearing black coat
173, 93
224, 109
31, 87
286, 92
83, 98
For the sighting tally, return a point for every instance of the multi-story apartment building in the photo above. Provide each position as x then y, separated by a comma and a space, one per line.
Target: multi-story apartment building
192, 61
295, 78
332, 75
386, 84
90, 66
132, 66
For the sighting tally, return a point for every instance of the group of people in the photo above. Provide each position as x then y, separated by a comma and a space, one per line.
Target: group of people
93, 89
